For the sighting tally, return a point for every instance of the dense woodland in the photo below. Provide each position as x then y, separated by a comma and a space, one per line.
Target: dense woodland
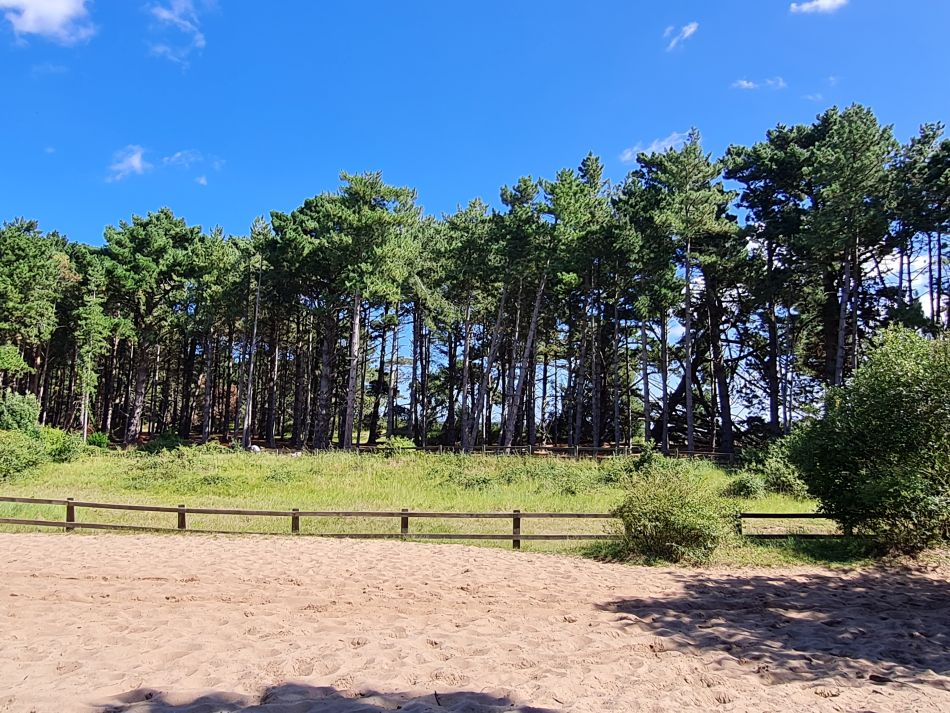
700, 303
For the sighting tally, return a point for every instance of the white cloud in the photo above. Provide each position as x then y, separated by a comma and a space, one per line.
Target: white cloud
202, 180
833, 81
183, 159
818, 6
180, 19
816, 97
686, 31
63, 21
773, 83
668, 31
127, 162
674, 140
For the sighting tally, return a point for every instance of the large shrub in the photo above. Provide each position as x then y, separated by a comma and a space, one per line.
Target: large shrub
60, 446
879, 458
777, 472
19, 451
745, 485
669, 515
19, 412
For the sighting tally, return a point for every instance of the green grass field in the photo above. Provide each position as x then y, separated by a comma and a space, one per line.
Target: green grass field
205, 477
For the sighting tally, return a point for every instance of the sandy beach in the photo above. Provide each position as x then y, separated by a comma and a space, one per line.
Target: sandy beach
202, 624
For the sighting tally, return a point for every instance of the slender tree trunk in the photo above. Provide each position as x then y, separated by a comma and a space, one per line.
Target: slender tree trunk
645, 377
525, 358
467, 431
688, 348
347, 434
321, 421
664, 384
842, 322
615, 368
252, 352
482, 394
391, 420
209, 356
138, 400
272, 424
380, 375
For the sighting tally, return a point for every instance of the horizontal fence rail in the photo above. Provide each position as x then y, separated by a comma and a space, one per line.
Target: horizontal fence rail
516, 537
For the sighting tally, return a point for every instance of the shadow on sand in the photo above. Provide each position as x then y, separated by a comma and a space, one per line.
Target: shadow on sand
299, 698
883, 625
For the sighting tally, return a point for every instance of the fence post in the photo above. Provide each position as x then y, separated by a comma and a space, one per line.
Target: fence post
404, 523
516, 530
70, 514
737, 523
181, 517
295, 522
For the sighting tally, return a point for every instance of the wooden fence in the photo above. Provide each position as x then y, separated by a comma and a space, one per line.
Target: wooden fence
516, 537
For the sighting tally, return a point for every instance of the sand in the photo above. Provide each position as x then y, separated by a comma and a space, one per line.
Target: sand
201, 624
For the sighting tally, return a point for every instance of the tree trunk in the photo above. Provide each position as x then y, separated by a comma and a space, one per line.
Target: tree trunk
138, 397
480, 398
525, 358
346, 441
321, 421
378, 391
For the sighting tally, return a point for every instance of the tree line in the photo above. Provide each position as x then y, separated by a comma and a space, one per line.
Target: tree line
699, 302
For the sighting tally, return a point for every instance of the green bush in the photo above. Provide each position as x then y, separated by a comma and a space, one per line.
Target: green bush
60, 446
668, 515
19, 412
772, 464
98, 440
745, 485
879, 458
166, 441
19, 452
397, 445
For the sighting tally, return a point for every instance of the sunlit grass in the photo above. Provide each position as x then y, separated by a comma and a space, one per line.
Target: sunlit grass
340, 481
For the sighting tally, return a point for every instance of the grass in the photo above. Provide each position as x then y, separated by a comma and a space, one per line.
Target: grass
211, 477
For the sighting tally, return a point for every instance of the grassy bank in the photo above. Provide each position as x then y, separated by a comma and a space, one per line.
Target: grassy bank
338, 481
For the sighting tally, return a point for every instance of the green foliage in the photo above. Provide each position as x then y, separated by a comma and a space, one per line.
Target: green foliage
19, 412
165, 441
779, 474
11, 363
879, 458
19, 451
60, 446
668, 515
98, 440
397, 445
745, 485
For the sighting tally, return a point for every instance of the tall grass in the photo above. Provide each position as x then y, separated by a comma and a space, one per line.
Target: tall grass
213, 477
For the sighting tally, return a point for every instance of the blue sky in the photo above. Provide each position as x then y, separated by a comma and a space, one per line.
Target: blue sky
227, 110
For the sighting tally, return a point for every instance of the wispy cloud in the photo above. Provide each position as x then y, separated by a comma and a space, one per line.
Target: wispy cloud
202, 180
126, 162
48, 68
64, 21
686, 31
183, 159
772, 83
50, 150
674, 140
178, 21
816, 97
818, 6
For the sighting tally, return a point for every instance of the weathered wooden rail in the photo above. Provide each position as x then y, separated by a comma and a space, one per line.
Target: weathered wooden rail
515, 516
516, 537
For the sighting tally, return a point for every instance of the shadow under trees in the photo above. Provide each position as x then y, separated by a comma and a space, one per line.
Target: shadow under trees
883, 625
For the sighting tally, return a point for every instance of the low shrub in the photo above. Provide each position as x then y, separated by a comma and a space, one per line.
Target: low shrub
668, 515
19, 452
98, 440
397, 445
166, 441
745, 485
772, 464
19, 412
60, 446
